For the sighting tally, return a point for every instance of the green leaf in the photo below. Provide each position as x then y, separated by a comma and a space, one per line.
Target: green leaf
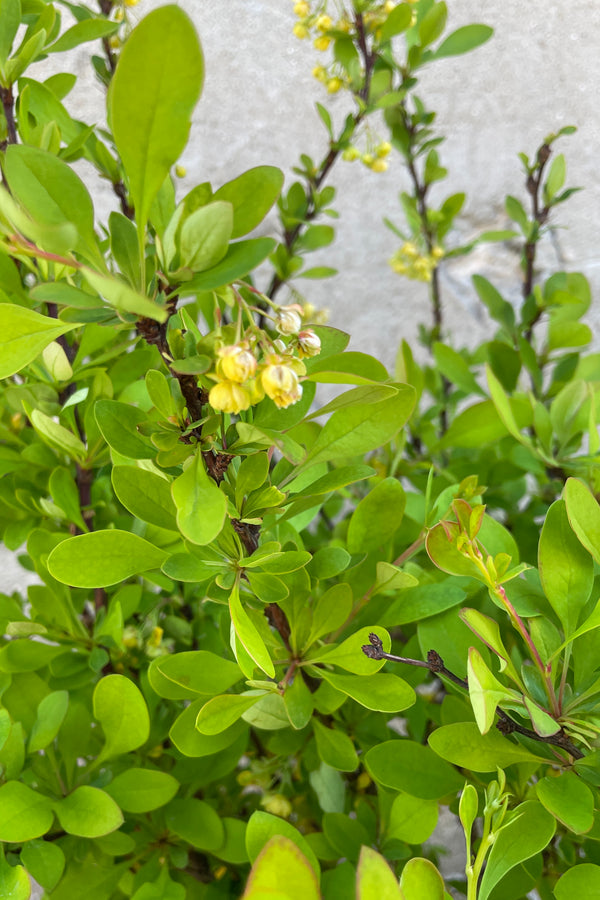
329, 562
422, 601
463, 40
117, 422
53, 194
485, 691
142, 790
566, 569
330, 611
281, 855
88, 812
443, 552
25, 813
503, 407
462, 744
421, 880
196, 823
410, 767
569, 800
201, 506
584, 515
412, 819
123, 298
23, 335
102, 558
579, 881
51, 712
121, 710
14, 880
191, 742
398, 20
146, 495
480, 424
180, 676
81, 32
204, 236
298, 702
347, 368
335, 748
58, 436
383, 691
377, 517
240, 259
221, 712
262, 827
529, 832
124, 247
45, 861
348, 655
455, 368
248, 634
251, 195
153, 93
374, 878
10, 19
360, 429
161, 889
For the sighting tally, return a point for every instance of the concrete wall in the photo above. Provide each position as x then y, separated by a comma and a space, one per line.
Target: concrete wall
539, 72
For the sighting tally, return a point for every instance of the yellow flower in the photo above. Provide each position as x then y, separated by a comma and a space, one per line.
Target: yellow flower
320, 73
379, 165
334, 85
229, 397
300, 30
383, 149
277, 805
131, 2
235, 363
322, 43
309, 343
302, 9
114, 42
323, 23
437, 252
288, 320
180, 171
281, 385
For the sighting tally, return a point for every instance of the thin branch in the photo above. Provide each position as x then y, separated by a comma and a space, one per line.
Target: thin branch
435, 664
6, 95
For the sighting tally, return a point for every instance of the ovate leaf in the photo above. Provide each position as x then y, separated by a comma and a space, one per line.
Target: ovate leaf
121, 710
23, 335
102, 558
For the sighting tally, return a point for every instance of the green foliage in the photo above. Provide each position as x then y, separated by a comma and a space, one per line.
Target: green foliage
242, 671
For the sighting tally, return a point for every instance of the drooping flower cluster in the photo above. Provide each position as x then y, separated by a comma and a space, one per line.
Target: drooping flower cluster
412, 263
257, 365
373, 159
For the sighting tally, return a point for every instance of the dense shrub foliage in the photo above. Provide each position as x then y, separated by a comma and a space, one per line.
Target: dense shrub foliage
271, 638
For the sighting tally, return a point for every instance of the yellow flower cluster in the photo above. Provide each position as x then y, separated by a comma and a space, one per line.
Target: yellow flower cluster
325, 28
242, 380
410, 262
374, 160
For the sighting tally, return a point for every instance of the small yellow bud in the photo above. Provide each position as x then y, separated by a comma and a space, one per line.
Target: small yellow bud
281, 385
409, 249
130, 637
350, 154
235, 364
343, 25
119, 14
300, 30
323, 23
302, 9
388, 6
288, 320
363, 781
367, 159
322, 43
437, 252
309, 343
334, 85
383, 149
131, 2
114, 42
180, 171
320, 73
229, 397
156, 637
379, 165
277, 805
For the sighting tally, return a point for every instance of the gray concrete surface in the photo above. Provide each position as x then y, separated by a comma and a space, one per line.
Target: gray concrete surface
539, 72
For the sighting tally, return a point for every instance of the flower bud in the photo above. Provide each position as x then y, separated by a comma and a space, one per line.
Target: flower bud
228, 397
350, 154
321, 43
302, 9
281, 385
379, 165
288, 320
320, 73
309, 343
323, 23
180, 171
300, 30
383, 149
235, 364
334, 85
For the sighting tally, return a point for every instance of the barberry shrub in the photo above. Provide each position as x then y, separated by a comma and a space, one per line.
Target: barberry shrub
270, 640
